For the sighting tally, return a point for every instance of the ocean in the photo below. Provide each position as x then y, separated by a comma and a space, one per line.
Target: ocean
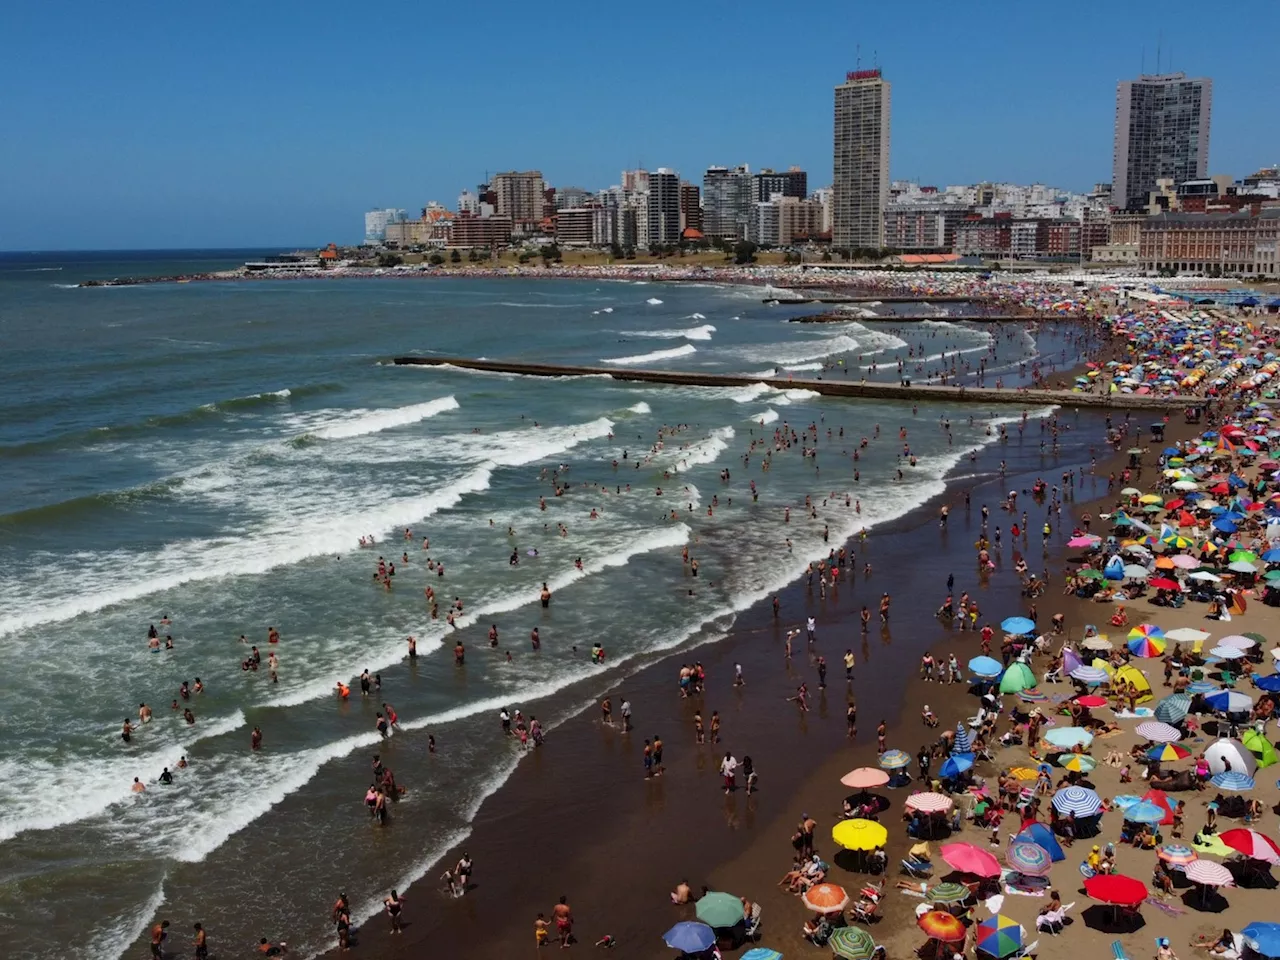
214, 452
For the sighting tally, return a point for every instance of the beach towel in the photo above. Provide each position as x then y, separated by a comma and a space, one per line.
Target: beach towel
1168, 908
1141, 713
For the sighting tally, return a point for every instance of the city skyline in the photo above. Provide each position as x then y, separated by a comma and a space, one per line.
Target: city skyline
278, 130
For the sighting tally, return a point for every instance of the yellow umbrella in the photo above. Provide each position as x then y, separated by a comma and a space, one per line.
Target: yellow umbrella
1150, 498
859, 834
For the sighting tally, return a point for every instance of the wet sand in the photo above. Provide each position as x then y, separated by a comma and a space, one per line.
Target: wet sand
579, 819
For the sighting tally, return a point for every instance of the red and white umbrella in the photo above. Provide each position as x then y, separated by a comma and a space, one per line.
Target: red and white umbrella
1252, 844
929, 802
1209, 873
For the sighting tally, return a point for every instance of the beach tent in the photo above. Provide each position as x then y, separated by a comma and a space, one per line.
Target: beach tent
1260, 747
1131, 674
1224, 751
1017, 677
1114, 570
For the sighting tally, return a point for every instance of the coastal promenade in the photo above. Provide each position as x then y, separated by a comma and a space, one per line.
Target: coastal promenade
916, 318
830, 388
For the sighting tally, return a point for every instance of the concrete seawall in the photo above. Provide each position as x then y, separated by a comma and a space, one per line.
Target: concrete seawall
904, 318
830, 388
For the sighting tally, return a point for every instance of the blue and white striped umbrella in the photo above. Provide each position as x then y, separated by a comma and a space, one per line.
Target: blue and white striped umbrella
1081, 801
1144, 811
1232, 780
1229, 701
894, 759
963, 742
1202, 686
1090, 676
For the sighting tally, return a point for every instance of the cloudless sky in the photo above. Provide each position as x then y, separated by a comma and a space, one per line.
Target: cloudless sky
150, 125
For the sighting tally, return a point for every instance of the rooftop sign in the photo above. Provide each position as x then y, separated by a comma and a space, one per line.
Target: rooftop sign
861, 75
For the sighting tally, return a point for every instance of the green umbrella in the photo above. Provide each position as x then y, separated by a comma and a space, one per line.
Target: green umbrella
1243, 556
948, 892
1089, 573
1017, 677
1269, 575
720, 909
1260, 747
852, 943
1255, 636
1152, 508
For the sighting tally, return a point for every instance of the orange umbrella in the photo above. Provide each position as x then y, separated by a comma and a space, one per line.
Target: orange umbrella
1164, 563
825, 898
942, 926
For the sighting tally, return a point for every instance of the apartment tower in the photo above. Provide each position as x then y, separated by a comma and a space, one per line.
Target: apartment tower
861, 161
1162, 131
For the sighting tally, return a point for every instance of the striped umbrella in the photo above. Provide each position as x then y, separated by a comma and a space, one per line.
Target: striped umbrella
1176, 854
1209, 872
1232, 780
894, 759
1173, 709
1145, 630
1028, 859
1081, 801
1079, 762
1252, 844
764, 953
1201, 686
1034, 695
963, 742
1158, 732
851, 943
942, 926
929, 802
1168, 752
1146, 646
1228, 653
1090, 676
948, 892
999, 936
1241, 642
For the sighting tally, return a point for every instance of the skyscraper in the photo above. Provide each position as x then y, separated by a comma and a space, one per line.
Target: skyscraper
520, 195
664, 206
1162, 130
788, 183
726, 202
861, 160
690, 207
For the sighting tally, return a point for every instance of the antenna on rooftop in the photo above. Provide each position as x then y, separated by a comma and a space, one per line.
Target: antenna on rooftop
1144, 59
857, 57
1159, 44
875, 59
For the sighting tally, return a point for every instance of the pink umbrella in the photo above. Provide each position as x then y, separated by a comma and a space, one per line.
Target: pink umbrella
967, 858
1185, 562
1086, 541
1208, 872
929, 802
865, 778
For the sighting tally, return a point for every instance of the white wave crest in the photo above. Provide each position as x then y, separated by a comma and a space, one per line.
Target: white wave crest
375, 421
766, 416
653, 301
703, 332
657, 355
640, 407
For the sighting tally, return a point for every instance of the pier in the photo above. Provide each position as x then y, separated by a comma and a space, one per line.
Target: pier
830, 388
916, 318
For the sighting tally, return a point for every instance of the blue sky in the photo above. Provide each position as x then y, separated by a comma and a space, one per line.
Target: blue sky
129, 125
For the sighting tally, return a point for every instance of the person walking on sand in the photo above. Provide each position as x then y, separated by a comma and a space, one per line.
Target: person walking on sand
729, 770
657, 755
563, 916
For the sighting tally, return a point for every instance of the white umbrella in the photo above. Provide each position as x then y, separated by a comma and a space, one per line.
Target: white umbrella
1102, 643
1206, 576
1227, 653
1134, 572
1185, 485
1187, 634
1244, 643
1240, 566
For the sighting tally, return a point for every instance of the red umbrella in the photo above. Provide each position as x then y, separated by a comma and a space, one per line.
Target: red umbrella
1091, 700
942, 926
1249, 842
1116, 889
1164, 583
967, 858
1219, 488
1175, 504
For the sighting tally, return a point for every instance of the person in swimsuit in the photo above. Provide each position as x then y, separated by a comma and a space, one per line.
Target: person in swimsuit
546, 596
202, 943
564, 921
394, 905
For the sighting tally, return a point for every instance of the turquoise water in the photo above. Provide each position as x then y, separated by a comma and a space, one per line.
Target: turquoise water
215, 451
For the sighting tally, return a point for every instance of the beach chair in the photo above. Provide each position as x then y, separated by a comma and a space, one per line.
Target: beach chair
865, 911
921, 869
752, 931
1117, 950
1051, 921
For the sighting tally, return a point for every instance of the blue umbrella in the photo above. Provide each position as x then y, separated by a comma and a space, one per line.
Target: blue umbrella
1263, 938
1068, 737
1225, 525
1145, 812
1271, 556
1039, 834
1271, 683
1232, 780
1202, 686
690, 937
955, 765
963, 742
1123, 801
986, 667
1173, 708
1017, 626
1081, 801
1229, 701
761, 953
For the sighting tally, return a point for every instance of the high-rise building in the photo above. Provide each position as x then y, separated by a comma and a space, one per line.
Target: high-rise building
375, 223
690, 207
569, 197
1162, 132
726, 202
861, 160
664, 207
520, 196
468, 202
789, 183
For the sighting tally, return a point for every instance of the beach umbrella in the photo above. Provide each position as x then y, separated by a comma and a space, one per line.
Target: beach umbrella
1123, 801
1144, 812
717, 909
865, 778
1202, 686
1146, 646
1172, 709
1150, 498
894, 759
1240, 566
955, 765
1163, 583
1205, 576
1232, 780
1133, 571
1263, 938
929, 802
1068, 737
820, 898
1088, 573
942, 926
1034, 695
1090, 540
948, 892
1227, 653
1158, 732
1229, 701
1016, 678
1260, 747
986, 667
1269, 683
1017, 626
1239, 642
1029, 859
764, 953
1079, 762
1096, 643
1168, 752
1145, 630
999, 936
1209, 872
849, 943
967, 858
1090, 676
1130, 491
1081, 801
859, 834
1040, 834
1183, 562
1224, 754
1091, 700
1252, 844
1116, 889
1186, 634
1176, 854
690, 937
963, 742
